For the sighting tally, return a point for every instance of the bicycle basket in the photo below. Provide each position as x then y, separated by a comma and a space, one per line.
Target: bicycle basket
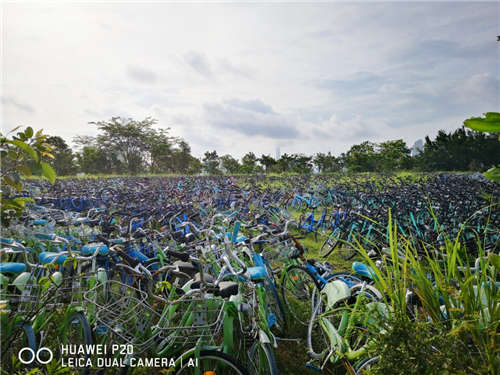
122, 311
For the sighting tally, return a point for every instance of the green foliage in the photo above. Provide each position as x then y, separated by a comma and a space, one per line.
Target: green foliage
248, 163
490, 124
63, 162
21, 156
419, 348
211, 163
460, 150
453, 324
268, 162
128, 146
362, 157
327, 163
229, 164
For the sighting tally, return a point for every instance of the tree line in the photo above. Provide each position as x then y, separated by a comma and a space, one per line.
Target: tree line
128, 146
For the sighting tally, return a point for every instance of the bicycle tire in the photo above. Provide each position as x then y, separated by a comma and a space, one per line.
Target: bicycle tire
297, 289
329, 244
254, 363
275, 306
13, 345
83, 334
318, 341
346, 252
233, 367
274, 301
365, 364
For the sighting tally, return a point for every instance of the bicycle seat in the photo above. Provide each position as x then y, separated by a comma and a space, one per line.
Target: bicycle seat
49, 257
364, 270
12, 267
90, 249
6, 241
39, 222
209, 279
45, 236
185, 267
257, 273
227, 289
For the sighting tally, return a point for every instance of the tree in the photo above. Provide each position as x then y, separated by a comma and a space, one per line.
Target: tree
128, 139
182, 156
20, 156
284, 164
301, 163
394, 155
460, 150
362, 157
63, 162
229, 164
248, 163
326, 162
211, 163
490, 124
161, 151
268, 162
195, 166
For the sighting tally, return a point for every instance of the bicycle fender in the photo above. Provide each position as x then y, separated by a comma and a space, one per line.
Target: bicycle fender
336, 291
4, 280
102, 276
263, 337
21, 280
333, 335
56, 278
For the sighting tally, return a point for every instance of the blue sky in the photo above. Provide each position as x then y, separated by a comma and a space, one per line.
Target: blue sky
239, 77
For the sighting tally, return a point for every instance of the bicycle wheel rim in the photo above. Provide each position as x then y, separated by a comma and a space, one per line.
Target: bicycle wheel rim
298, 288
365, 365
22, 337
261, 359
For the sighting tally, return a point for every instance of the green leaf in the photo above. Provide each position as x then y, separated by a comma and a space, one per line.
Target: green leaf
21, 201
9, 181
493, 174
25, 147
490, 123
24, 170
48, 172
29, 132
495, 260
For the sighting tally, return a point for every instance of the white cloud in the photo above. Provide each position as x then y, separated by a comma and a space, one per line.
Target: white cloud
253, 77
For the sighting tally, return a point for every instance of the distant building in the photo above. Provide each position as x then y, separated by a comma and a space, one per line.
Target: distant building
278, 153
417, 147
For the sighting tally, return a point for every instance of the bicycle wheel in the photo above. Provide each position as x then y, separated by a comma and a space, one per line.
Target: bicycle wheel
261, 359
318, 342
108, 195
345, 250
350, 327
364, 367
330, 243
212, 362
76, 331
298, 287
13, 347
274, 304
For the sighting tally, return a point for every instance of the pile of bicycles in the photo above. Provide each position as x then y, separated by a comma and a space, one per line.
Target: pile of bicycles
208, 276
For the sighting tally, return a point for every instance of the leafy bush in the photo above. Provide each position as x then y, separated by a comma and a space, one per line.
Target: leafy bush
451, 326
21, 156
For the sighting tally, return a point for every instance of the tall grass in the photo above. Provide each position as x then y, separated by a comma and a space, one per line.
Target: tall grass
445, 314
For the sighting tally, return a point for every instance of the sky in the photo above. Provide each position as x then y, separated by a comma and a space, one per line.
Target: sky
239, 77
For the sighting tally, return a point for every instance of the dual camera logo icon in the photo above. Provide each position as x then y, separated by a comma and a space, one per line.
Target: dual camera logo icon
27, 355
